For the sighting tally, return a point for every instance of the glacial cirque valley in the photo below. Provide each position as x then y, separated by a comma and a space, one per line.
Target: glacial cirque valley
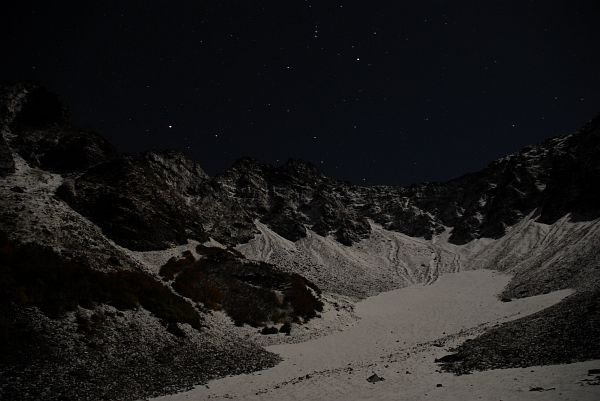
133, 276
398, 336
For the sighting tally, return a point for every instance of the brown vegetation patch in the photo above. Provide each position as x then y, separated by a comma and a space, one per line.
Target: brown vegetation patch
254, 293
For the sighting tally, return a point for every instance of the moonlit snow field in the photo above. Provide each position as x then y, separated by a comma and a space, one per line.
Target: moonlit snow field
398, 337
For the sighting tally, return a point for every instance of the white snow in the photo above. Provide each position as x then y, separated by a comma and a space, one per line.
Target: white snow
449, 296
386, 260
404, 331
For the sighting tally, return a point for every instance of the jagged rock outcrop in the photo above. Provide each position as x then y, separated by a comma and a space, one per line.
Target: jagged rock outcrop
142, 202
555, 178
40, 131
292, 197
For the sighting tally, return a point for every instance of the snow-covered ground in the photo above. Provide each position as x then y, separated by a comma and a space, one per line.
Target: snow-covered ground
398, 337
385, 261
542, 257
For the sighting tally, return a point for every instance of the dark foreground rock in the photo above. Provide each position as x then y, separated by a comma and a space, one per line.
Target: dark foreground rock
564, 333
374, 378
141, 202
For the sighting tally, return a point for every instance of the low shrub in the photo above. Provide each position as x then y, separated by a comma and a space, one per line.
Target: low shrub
249, 292
269, 330
176, 265
34, 275
286, 328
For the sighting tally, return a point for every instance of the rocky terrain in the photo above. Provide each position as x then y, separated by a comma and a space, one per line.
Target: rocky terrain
98, 248
81, 317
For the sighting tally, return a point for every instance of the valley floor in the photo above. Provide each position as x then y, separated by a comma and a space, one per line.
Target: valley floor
399, 335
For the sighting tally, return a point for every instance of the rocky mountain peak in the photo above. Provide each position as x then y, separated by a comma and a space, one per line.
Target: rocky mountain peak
303, 168
28, 104
38, 128
553, 178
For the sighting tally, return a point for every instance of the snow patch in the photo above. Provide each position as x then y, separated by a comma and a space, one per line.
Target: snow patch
398, 338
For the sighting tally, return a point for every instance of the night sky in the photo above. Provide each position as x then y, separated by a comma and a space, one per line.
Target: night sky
379, 92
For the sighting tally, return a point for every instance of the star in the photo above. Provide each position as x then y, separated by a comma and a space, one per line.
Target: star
170, 126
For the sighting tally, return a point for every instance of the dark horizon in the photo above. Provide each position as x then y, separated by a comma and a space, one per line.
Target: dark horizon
395, 95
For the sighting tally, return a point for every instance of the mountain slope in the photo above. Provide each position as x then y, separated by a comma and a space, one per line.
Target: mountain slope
81, 317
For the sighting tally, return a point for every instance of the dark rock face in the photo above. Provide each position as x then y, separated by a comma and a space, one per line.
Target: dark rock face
556, 177
35, 107
572, 184
42, 133
62, 149
293, 197
165, 199
141, 202
36, 275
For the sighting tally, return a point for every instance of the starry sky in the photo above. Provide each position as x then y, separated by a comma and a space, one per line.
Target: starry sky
392, 92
